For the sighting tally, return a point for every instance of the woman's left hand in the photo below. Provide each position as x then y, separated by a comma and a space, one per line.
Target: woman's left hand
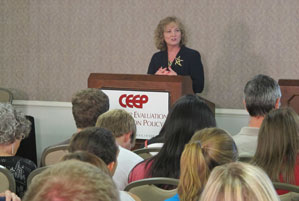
9, 196
170, 71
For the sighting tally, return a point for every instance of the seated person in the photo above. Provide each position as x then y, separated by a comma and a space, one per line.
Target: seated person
238, 181
72, 180
189, 114
13, 128
207, 149
278, 145
123, 127
101, 143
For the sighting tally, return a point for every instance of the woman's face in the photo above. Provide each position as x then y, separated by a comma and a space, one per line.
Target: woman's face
172, 34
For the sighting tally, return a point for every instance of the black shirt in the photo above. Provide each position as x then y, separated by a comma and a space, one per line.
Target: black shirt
187, 62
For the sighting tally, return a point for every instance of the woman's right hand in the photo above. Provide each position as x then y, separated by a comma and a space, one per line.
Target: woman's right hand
161, 71
9, 196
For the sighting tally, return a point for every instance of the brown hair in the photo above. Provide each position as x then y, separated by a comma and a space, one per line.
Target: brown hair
278, 145
119, 122
159, 32
207, 148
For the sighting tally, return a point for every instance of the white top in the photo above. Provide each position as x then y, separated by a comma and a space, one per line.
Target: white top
246, 140
124, 196
126, 160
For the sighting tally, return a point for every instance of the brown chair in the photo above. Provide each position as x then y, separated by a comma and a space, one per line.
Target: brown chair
34, 173
146, 153
146, 190
5, 96
293, 195
53, 154
7, 180
245, 158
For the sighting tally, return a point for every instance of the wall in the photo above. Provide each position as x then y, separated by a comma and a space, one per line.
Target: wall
48, 48
54, 122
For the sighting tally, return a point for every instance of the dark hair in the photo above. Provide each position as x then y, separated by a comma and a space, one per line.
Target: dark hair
88, 104
189, 114
98, 141
261, 94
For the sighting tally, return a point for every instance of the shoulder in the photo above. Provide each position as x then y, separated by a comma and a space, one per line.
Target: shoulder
159, 54
123, 195
28, 163
190, 51
129, 154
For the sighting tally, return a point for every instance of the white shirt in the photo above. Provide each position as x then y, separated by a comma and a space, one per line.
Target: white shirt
246, 140
124, 196
126, 160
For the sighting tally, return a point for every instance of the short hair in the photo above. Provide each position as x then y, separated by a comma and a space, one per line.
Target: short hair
278, 144
87, 157
88, 104
207, 149
72, 180
119, 122
98, 141
13, 124
261, 94
159, 32
238, 181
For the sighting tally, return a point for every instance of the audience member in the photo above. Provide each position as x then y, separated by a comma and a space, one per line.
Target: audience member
87, 157
72, 180
261, 94
13, 128
207, 149
123, 127
100, 142
189, 114
238, 182
278, 145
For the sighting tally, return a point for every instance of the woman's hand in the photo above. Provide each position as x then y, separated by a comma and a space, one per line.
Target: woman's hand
9, 196
161, 71
171, 72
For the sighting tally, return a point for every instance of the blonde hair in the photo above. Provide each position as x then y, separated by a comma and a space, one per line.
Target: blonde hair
159, 32
208, 148
278, 144
72, 180
239, 182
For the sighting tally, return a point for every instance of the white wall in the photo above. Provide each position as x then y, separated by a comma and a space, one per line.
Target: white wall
54, 121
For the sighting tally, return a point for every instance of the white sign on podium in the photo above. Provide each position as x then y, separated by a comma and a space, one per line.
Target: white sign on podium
149, 109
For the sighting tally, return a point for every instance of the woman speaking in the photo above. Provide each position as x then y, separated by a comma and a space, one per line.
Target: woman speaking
174, 58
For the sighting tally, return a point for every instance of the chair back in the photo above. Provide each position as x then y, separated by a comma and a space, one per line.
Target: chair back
293, 195
146, 190
53, 154
34, 173
146, 153
7, 180
5, 96
246, 158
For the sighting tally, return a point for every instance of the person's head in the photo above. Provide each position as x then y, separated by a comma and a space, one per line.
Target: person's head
88, 104
238, 182
72, 180
13, 127
121, 124
278, 144
87, 157
261, 94
207, 149
99, 142
167, 26
189, 114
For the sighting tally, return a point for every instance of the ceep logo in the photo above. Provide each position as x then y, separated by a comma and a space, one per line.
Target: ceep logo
131, 100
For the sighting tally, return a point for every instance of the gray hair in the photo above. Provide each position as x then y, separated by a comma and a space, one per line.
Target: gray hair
13, 124
261, 94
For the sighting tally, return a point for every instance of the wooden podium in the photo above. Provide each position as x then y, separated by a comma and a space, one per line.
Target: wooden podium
290, 93
175, 85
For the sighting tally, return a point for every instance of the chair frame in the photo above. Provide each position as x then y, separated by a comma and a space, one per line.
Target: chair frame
34, 173
50, 150
285, 186
10, 177
9, 94
153, 180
